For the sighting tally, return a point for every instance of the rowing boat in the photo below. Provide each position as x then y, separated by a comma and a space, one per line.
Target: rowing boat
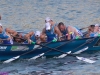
9, 51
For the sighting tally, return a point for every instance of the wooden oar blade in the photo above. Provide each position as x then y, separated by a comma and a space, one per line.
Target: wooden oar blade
63, 55
85, 59
35, 57
11, 59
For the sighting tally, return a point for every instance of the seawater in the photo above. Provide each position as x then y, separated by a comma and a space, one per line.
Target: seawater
29, 15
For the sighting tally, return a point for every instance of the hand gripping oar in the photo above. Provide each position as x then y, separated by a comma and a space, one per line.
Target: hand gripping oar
79, 58
16, 57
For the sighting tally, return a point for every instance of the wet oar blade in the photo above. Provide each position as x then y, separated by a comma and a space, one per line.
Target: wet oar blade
35, 57
63, 55
85, 59
80, 51
12, 59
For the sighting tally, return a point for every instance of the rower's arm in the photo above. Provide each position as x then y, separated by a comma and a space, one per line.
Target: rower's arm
57, 31
28, 36
13, 32
69, 28
76, 33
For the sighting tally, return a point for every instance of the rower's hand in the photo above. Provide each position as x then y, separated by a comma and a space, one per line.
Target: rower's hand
29, 41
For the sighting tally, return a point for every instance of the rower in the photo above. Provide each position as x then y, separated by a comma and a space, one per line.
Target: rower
19, 38
40, 37
71, 32
4, 36
53, 28
89, 31
63, 30
34, 37
96, 31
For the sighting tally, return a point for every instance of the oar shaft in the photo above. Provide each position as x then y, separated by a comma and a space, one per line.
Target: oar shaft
56, 50
34, 49
80, 58
16, 57
79, 45
65, 52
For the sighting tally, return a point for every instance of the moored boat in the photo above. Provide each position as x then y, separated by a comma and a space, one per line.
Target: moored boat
9, 51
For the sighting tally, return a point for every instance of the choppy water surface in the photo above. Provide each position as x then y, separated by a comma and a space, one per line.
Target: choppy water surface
29, 15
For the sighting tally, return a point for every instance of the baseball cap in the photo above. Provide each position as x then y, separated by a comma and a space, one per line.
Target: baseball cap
97, 25
47, 26
0, 24
37, 33
47, 19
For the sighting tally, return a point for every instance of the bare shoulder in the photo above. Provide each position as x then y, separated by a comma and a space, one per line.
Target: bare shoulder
56, 27
69, 27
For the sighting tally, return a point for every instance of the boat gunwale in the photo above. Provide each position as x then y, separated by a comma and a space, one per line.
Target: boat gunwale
42, 42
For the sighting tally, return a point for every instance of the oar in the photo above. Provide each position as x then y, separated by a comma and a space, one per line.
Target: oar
58, 47
16, 57
35, 57
50, 50
80, 51
79, 58
61, 46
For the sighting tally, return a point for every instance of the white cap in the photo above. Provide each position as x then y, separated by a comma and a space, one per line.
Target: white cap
97, 25
37, 33
0, 24
47, 26
47, 19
